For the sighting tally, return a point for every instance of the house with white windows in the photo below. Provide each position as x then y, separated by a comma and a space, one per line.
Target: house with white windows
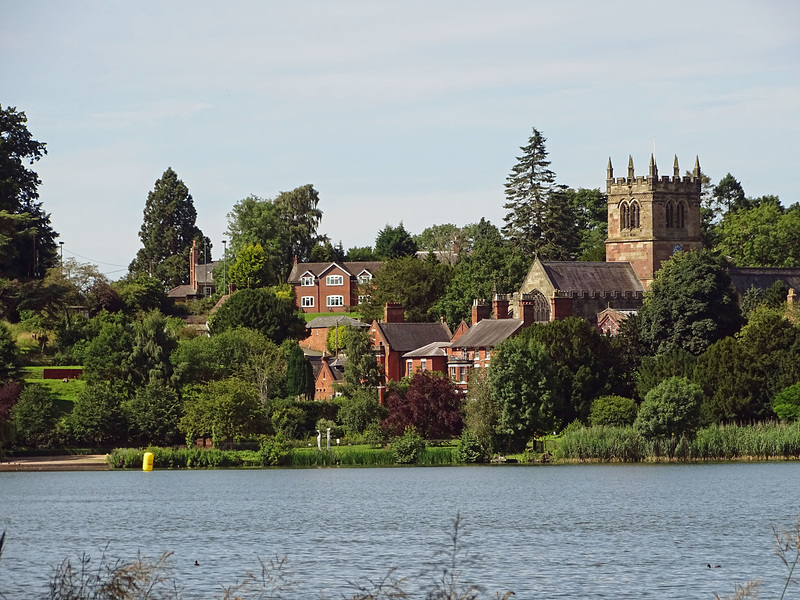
331, 287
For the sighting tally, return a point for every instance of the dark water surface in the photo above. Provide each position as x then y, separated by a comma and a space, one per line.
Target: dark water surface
599, 531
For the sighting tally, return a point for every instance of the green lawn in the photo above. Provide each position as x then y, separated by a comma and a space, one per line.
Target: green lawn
311, 316
64, 392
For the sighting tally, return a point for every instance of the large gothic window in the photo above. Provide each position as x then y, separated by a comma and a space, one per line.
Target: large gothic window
681, 217
634, 215
541, 307
670, 211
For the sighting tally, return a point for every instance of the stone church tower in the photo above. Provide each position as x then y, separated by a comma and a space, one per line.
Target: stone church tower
650, 218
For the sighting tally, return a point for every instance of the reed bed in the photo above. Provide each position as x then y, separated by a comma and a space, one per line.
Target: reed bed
762, 441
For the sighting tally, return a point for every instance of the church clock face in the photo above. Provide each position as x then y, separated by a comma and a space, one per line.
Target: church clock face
677, 248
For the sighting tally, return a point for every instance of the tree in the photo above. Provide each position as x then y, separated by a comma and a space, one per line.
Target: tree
672, 408
359, 254
27, 240
691, 304
262, 311
655, 369
394, 242
416, 284
106, 356
249, 270
523, 384
431, 404
613, 411
492, 265
141, 293
34, 417
153, 415
787, 403
561, 239
481, 412
223, 410
583, 362
361, 410
361, 370
168, 231
299, 376
729, 193
152, 345
97, 418
9, 355
761, 236
299, 212
528, 188
591, 208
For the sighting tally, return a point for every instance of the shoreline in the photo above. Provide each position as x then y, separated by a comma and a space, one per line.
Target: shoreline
87, 462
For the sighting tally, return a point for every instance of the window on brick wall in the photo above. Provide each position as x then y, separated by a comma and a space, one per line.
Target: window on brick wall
335, 301
334, 280
307, 301
307, 280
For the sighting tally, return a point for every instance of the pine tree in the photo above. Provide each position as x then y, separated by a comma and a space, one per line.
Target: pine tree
528, 189
167, 232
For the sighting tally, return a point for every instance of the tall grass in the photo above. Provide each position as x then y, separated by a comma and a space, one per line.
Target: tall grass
762, 441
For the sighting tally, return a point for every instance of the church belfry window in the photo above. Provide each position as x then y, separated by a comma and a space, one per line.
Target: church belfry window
624, 217
681, 217
670, 213
634, 215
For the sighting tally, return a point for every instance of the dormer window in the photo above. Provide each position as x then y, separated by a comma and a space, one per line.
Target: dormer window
364, 278
307, 280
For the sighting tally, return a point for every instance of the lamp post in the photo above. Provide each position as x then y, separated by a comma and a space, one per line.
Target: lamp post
62, 257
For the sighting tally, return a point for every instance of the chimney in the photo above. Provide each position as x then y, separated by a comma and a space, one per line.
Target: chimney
500, 306
394, 313
527, 312
480, 311
193, 262
791, 297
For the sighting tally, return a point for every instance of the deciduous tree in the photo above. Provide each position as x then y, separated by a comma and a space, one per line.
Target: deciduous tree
431, 404
262, 311
672, 408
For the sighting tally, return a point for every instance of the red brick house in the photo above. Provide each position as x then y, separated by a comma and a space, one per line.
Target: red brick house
201, 279
330, 374
318, 331
330, 287
393, 338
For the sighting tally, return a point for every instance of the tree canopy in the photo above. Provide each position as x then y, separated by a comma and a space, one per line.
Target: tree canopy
168, 230
394, 242
261, 310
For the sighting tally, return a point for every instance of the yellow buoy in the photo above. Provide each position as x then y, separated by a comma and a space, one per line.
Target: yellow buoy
147, 461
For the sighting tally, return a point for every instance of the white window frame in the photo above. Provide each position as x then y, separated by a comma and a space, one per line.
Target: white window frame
331, 300
364, 279
409, 366
423, 364
363, 299
207, 291
307, 302
307, 280
333, 280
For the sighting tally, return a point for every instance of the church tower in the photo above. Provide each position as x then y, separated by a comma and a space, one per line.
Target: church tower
650, 218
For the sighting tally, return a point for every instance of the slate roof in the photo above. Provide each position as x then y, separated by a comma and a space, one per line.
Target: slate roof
324, 322
487, 333
761, 277
181, 291
432, 349
404, 337
593, 276
205, 273
353, 268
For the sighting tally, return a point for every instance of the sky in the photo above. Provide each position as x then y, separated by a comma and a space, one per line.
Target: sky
409, 112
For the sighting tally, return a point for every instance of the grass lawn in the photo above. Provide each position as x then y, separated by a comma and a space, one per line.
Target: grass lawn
310, 316
63, 392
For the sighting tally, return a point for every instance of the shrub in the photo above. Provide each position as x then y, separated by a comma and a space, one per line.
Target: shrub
672, 408
273, 451
787, 403
613, 411
470, 449
407, 447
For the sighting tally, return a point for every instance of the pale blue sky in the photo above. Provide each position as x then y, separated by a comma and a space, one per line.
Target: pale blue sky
409, 111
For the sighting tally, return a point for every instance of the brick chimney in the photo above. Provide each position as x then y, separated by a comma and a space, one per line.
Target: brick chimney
480, 311
394, 313
500, 306
527, 312
194, 260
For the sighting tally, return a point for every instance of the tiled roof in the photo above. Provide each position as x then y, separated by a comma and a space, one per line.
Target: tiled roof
324, 322
404, 337
592, 276
354, 268
487, 333
181, 291
744, 278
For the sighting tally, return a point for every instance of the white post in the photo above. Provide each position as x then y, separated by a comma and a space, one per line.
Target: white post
329, 438
319, 440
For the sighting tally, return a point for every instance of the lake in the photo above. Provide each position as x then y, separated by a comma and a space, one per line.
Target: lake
577, 531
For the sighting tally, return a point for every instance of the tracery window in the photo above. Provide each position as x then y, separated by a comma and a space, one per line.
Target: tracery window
624, 216
681, 220
634, 215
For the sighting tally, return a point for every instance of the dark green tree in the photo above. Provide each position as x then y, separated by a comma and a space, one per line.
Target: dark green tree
152, 345
691, 304
34, 417
153, 415
416, 284
299, 213
360, 254
561, 238
523, 384
327, 252
27, 240
591, 207
168, 230
261, 310
394, 242
97, 418
528, 188
482, 412
584, 364
361, 410
787, 403
106, 355
299, 376
613, 411
655, 369
361, 370
141, 293
728, 193
492, 265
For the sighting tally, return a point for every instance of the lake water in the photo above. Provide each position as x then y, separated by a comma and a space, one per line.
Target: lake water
582, 531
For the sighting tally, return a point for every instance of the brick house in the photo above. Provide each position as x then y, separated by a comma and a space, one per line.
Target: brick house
319, 327
201, 279
330, 287
330, 374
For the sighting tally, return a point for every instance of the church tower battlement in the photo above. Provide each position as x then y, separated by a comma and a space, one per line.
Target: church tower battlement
651, 217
